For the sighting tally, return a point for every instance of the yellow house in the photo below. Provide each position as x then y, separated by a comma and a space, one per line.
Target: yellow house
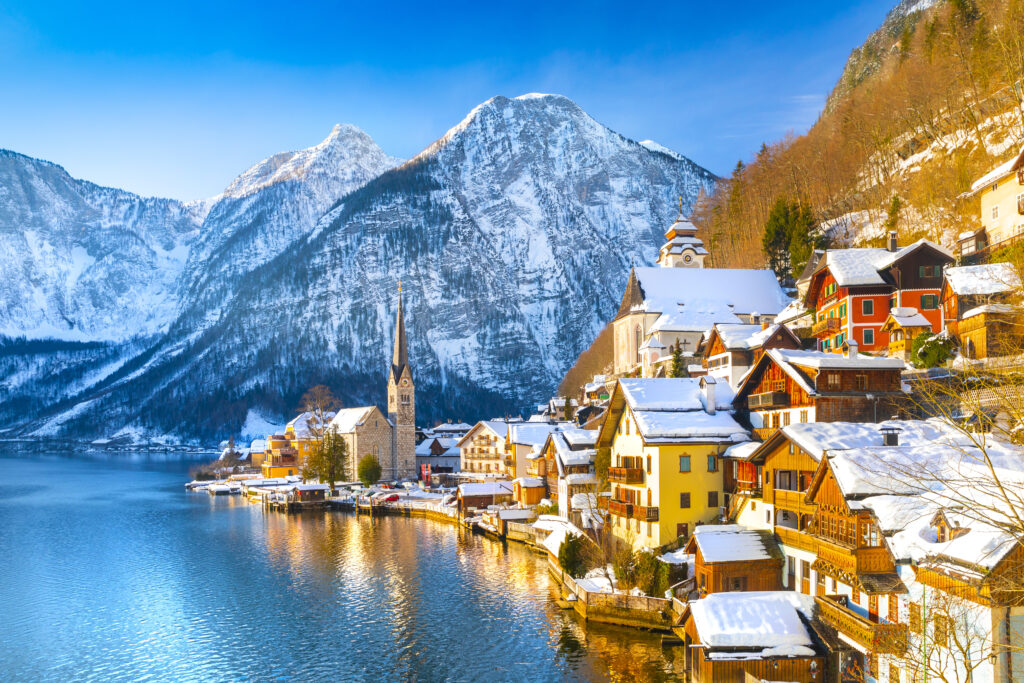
280, 458
666, 437
303, 432
1001, 191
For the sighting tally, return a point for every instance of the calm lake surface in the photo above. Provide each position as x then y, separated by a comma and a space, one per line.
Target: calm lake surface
111, 571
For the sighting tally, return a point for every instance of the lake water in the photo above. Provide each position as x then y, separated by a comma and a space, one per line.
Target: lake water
113, 572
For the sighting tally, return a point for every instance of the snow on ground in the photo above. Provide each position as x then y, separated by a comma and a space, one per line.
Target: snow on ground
258, 425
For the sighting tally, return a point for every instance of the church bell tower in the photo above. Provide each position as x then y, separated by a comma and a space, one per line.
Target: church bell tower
401, 404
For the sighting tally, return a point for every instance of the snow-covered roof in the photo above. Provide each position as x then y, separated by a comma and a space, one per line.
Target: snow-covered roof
998, 172
794, 311
987, 278
498, 427
580, 478
529, 482
826, 360
741, 451
864, 265
730, 543
690, 425
349, 418
309, 487
694, 316
744, 336
989, 308
817, 437
746, 290
453, 427
303, 424
580, 437
753, 619
670, 394
258, 446
855, 266
535, 433
489, 488
906, 316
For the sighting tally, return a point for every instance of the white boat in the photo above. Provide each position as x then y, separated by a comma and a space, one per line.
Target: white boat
218, 489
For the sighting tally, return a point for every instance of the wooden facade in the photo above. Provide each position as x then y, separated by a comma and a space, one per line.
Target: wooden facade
774, 398
701, 667
742, 575
857, 312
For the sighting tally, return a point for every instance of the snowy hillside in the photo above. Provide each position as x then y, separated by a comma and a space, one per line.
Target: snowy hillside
513, 235
83, 262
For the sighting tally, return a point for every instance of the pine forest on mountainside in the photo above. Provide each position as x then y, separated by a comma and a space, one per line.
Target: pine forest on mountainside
927, 105
930, 102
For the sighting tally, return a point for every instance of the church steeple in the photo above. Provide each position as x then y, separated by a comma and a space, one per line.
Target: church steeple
400, 357
401, 403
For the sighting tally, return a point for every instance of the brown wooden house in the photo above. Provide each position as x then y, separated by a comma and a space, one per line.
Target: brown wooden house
730, 350
978, 311
751, 636
788, 387
729, 558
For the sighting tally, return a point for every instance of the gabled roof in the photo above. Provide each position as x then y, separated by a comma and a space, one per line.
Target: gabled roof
747, 337
999, 172
987, 278
348, 419
660, 290
733, 543
757, 620
792, 360
905, 316
497, 427
866, 266
400, 356
673, 410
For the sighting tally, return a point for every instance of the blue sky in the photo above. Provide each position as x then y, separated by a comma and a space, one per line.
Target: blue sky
176, 99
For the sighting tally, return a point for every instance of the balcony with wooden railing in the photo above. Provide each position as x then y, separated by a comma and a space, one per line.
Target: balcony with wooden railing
853, 560
796, 539
762, 433
1020, 205
768, 399
620, 508
884, 638
626, 475
645, 514
828, 326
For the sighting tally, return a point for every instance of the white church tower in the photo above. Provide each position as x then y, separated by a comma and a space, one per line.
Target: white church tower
401, 405
683, 248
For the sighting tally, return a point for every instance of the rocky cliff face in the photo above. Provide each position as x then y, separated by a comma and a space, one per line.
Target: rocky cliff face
513, 235
83, 262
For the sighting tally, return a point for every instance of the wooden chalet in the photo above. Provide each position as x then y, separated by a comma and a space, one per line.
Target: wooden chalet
788, 387
730, 350
729, 558
751, 636
977, 305
852, 291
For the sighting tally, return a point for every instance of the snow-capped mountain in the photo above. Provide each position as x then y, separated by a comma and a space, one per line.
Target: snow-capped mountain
272, 204
84, 262
513, 236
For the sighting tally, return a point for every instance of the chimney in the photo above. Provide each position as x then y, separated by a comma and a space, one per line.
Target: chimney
764, 324
850, 349
892, 242
890, 436
707, 386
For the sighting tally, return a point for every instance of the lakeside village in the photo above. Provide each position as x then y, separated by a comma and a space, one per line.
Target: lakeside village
767, 480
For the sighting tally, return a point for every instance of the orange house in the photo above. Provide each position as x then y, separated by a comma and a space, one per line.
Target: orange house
852, 290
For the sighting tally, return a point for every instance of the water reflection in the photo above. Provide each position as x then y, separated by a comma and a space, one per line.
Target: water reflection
114, 573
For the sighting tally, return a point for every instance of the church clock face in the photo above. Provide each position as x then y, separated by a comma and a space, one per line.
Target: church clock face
687, 258
405, 382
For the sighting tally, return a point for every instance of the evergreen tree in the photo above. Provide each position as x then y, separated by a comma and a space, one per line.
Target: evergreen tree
571, 556
678, 368
789, 237
369, 470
